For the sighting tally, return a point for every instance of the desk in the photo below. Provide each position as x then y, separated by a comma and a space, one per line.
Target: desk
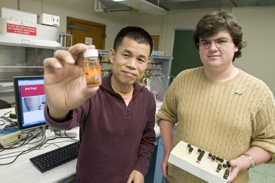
23, 171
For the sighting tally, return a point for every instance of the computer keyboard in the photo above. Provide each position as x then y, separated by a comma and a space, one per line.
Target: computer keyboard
57, 157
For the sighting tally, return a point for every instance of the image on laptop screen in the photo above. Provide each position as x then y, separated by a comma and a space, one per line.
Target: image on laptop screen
30, 101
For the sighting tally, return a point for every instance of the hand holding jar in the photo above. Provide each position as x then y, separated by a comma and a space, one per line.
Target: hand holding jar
65, 80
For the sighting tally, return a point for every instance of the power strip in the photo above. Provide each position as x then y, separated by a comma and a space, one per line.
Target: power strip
200, 163
10, 138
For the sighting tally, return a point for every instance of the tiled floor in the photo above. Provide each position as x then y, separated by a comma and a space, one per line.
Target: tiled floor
264, 173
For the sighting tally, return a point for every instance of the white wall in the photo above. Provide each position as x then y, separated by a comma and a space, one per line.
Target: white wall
258, 57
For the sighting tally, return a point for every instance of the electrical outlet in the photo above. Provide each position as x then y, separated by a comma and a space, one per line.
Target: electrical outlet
55, 20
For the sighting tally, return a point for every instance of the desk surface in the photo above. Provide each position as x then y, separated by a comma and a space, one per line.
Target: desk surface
23, 171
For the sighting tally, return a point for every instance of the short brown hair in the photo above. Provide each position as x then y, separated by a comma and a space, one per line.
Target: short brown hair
212, 23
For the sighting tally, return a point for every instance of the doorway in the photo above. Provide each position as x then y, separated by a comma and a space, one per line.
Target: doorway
86, 32
155, 39
185, 54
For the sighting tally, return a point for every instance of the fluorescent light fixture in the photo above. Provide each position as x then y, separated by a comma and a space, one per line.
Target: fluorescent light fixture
143, 6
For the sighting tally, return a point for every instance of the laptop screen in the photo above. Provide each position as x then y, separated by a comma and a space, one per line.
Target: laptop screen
30, 101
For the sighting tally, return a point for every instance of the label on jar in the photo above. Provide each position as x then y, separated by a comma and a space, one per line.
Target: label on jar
93, 75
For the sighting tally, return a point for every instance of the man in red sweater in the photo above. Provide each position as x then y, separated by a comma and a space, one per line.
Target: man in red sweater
116, 119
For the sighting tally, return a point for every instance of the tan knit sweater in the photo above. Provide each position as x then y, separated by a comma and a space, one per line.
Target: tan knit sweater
224, 118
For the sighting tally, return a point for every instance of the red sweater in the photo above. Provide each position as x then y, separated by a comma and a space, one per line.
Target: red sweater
115, 139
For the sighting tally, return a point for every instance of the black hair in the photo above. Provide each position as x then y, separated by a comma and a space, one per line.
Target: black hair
135, 33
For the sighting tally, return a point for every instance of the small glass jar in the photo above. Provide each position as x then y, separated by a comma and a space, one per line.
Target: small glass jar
92, 67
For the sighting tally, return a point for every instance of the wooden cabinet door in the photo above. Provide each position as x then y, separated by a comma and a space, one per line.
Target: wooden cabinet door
83, 31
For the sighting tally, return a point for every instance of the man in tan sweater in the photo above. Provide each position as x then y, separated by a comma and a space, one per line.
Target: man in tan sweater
219, 107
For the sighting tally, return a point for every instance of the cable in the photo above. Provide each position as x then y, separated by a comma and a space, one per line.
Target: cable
58, 133
4, 122
23, 152
26, 139
29, 150
7, 113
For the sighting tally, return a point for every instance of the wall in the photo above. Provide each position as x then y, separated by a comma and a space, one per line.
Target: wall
258, 57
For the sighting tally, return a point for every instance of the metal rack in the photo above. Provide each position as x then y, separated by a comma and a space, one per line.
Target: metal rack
159, 75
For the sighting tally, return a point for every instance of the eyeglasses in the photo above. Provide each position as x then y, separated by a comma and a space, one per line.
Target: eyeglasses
219, 43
